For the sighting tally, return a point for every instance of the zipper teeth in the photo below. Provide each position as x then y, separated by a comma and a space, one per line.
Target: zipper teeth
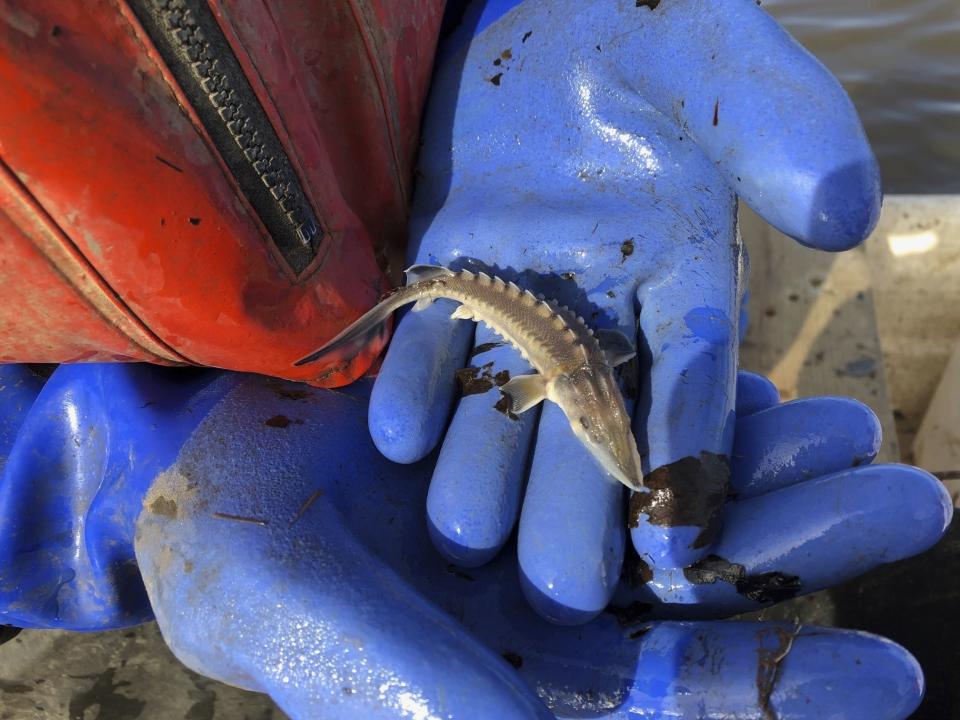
223, 98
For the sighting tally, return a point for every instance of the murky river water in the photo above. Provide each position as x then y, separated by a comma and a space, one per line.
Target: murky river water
900, 61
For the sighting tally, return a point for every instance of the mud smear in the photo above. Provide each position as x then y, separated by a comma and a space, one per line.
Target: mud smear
485, 347
504, 404
626, 249
478, 380
769, 662
686, 493
769, 587
861, 367
281, 421
165, 507
289, 393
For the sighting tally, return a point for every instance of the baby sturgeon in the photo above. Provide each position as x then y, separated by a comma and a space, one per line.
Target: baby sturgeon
574, 365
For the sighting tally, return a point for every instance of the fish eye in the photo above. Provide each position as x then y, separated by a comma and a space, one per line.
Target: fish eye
585, 424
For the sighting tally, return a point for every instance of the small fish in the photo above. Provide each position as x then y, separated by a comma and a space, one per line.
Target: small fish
574, 365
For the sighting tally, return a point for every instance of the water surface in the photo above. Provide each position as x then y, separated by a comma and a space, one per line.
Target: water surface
900, 62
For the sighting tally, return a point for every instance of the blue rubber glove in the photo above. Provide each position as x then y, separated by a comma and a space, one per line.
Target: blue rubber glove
282, 554
593, 151
800, 474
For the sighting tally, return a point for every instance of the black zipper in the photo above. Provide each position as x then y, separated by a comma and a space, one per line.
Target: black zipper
193, 46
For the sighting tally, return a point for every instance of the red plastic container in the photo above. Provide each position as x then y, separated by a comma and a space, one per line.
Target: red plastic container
212, 183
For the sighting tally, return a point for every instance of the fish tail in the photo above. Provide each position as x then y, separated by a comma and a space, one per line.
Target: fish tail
370, 324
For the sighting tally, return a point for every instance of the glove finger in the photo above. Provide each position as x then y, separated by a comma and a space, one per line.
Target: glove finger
571, 540
804, 538
777, 124
799, 440
685, 416
754, 393
417, 384
474, 495
770, 670
73, 483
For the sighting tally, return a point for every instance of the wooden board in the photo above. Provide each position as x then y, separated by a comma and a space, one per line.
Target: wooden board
914, 259
937, 444
813, 328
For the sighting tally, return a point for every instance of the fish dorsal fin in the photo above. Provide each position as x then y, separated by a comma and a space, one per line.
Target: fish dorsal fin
524, 392
419, 273
616, 346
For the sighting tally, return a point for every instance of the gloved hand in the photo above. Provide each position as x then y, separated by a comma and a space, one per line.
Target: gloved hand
593, 152
282, 554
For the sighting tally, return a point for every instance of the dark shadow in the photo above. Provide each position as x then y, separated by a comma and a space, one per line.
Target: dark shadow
42, 370
170, 388
126, 586
914, 602
460, 21
637, 388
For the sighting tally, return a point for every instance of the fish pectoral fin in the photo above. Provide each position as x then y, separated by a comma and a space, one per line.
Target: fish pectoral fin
423, 304
418, 273
616, 346
524, 392
462, 313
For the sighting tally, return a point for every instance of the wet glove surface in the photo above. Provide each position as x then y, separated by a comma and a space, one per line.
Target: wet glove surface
593, 152
281, 553
299, 564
